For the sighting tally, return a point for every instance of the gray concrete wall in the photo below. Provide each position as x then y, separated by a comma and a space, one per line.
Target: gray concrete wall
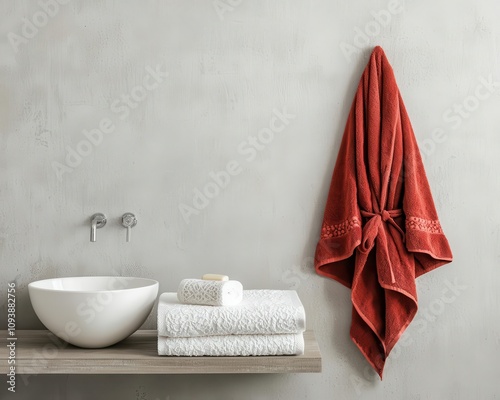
180, 89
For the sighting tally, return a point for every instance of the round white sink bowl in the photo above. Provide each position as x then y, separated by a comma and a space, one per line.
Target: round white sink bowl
93, 311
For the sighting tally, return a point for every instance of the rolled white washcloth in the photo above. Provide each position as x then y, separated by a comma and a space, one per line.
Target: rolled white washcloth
210, 293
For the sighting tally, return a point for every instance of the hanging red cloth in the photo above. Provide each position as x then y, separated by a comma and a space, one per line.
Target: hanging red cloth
380, 229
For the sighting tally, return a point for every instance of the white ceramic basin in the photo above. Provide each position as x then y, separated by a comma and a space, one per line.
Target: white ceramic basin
93, 311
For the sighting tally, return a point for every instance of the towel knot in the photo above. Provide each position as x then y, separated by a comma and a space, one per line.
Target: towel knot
385, 215
372, 227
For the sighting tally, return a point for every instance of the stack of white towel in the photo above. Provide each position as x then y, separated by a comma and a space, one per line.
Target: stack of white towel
210, 318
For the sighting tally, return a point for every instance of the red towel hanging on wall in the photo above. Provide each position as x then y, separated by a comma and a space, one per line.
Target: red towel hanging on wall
380, 229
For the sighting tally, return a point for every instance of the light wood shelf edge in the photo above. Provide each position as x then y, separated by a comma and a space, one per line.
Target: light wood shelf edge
40, 352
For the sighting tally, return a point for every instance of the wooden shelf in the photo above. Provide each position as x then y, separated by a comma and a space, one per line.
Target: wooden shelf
40, 352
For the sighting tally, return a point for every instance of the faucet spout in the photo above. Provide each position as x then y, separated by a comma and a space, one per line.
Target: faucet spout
97, 222
93, 230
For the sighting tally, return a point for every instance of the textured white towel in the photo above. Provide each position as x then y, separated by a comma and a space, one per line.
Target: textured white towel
232, 345
210, 293
261, 312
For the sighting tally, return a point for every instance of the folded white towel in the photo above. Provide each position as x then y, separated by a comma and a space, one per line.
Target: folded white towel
209, 292
260, 312
232, 345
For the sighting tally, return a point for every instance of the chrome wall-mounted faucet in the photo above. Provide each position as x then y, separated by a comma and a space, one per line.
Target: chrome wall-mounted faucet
98, 221
129, 221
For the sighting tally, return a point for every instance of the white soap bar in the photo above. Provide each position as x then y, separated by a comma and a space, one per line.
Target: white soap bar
215, 277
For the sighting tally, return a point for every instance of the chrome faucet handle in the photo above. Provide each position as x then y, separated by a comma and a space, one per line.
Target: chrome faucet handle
129, 221
98, 220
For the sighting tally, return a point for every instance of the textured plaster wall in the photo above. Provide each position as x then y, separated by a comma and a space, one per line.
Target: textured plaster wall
116, 106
